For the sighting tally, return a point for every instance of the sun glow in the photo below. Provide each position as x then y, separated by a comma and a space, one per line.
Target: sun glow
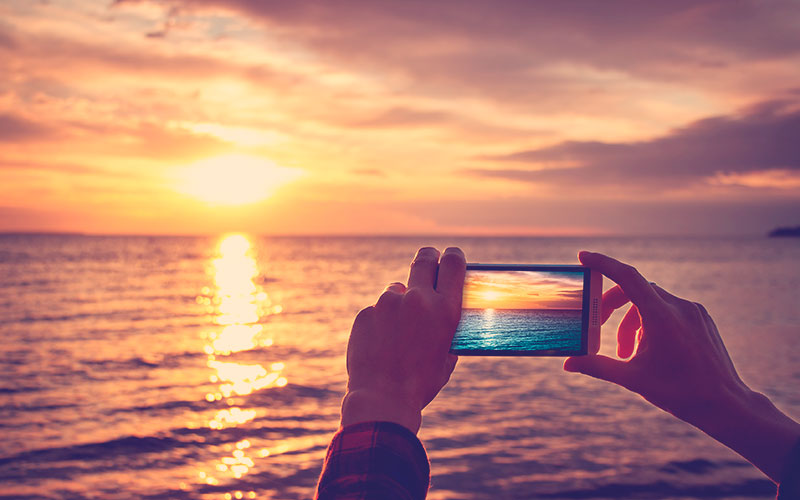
234, 179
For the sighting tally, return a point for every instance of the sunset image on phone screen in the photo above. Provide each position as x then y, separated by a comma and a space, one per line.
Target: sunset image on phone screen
532, 312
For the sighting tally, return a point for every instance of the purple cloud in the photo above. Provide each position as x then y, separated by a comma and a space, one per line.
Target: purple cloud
15, 128
529, 54
763, 137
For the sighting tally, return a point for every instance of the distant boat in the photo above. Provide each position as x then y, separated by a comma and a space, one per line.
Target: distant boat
785, 232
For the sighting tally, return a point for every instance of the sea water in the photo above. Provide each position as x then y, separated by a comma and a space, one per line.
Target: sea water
519, 330
211, 367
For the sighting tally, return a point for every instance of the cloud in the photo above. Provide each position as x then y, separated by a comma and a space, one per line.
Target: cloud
132, 140
369, 172
546, 56
6, 41
571, 294
527, 215
387, 103
761, 138
29, 56
72, 170
404, 117
14, 128
455, 126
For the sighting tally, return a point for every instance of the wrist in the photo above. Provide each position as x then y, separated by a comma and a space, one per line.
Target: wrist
370, 406
715, 414
747, 422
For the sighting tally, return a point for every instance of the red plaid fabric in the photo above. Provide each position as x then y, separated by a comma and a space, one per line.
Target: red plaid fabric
386, 461
374, 461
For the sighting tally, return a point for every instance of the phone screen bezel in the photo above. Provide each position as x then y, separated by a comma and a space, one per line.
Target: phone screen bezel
584, 349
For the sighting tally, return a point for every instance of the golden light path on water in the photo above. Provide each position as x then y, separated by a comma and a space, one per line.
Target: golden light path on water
238, 306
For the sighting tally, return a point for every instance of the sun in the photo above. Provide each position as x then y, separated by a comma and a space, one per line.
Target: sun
233, 179
490, 295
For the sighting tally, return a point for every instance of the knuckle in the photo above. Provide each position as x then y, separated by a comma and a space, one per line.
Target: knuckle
417, 266
386, 299
631, 272
697, 312
425, 259
452, 258
427, 254
702, 309
414, 297
365, 314
685, 312
686, 306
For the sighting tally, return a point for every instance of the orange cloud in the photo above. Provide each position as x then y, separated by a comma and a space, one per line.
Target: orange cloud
405, 117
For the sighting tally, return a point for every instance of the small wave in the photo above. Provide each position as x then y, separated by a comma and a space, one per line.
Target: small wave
30, 408
127, 446
63, 317
696, 466
196, 406
155, 360
28, 283
291, 393
15, 257
756, 488
19, 389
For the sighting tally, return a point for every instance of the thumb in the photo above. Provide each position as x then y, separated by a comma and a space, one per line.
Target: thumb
599, 366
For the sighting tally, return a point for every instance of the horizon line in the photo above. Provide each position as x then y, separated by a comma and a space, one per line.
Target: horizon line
380, 235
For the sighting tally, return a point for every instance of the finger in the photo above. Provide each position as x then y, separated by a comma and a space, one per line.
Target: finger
452, 268
599, 366
396, 287
626, 332
710, 325
423, 268
365, 315
362, 323
450, 364
713, 332
665, 295
390, 299
613, 299
627, 277
711, 328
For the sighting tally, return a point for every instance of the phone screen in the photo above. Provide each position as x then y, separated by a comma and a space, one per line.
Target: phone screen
524, 310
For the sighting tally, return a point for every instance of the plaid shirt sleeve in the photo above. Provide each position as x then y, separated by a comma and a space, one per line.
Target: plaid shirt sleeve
374, 460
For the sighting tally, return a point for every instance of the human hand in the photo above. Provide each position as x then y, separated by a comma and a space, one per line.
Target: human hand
679, 362
680, 365
398, 355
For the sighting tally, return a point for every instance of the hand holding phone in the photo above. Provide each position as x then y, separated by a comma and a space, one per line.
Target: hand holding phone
529, 310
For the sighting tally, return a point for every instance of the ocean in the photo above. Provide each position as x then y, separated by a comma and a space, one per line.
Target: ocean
519, 330
213, 368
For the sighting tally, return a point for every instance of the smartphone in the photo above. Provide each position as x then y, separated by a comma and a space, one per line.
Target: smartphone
529, 310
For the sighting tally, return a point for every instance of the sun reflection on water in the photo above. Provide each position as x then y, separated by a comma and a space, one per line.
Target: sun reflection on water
237, 306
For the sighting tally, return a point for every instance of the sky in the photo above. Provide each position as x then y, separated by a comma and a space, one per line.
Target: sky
523, 290
399, 117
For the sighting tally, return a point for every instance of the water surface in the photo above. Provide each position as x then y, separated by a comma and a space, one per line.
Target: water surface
527, 330
213, 368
